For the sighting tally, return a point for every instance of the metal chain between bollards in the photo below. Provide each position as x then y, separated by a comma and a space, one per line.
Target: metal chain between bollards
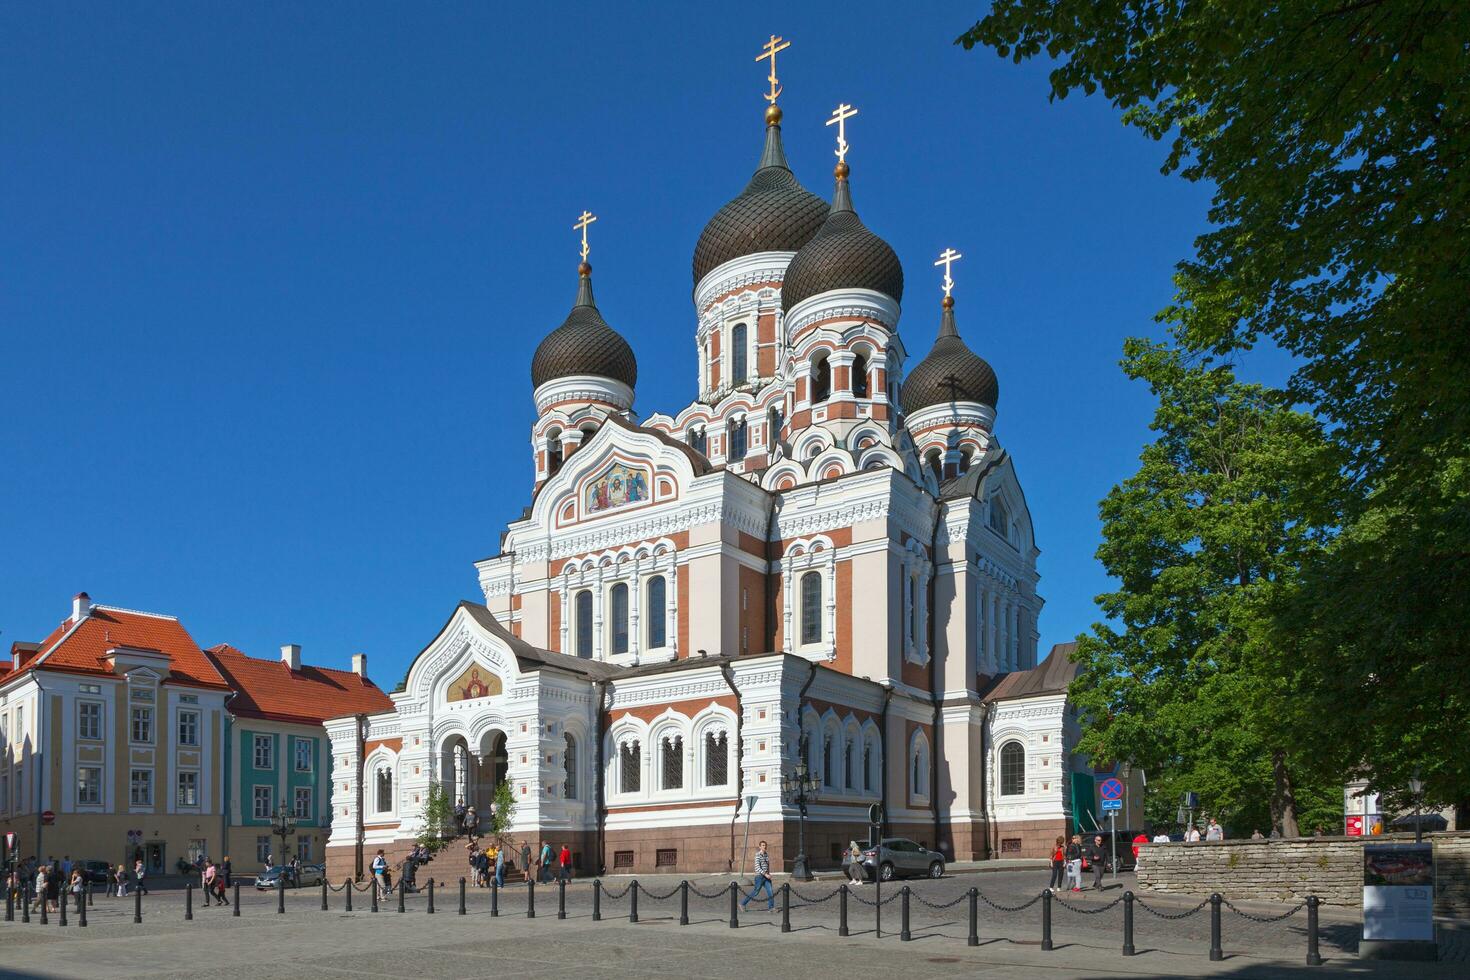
890, 899
609, 893
1006, 908
1080, 910
1265, 918
817, 901
655, 895
1166, 915
947, 905
715, 894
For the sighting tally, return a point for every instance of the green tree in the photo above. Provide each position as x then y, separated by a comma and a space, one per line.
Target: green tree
1206, 540
438, 818
1336, 136
505, 809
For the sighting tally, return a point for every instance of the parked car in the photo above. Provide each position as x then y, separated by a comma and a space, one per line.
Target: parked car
97, 871
897, 857
311, 874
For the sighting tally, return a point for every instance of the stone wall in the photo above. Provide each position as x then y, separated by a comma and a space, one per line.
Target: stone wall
1284, 870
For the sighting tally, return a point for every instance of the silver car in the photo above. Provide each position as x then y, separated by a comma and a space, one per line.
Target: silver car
311, 875
899, 857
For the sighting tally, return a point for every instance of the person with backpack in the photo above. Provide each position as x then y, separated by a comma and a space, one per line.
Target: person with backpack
380, 874
544, 864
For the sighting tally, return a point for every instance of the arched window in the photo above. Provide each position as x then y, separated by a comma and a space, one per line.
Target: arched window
1000, 517
869, 775
630, 766
811, 608
774, 423
847, 753
583, 622
553, 451
385, 790
1012, 769
919, 764
827, 761
672, 763
569, 764
738, 355
619, 601
716, 758
821, 379
935, 459
697, 441
860, 376
655, 612
737, 440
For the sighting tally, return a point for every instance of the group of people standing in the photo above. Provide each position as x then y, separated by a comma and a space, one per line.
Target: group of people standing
50, 881
1066, 862
214, 879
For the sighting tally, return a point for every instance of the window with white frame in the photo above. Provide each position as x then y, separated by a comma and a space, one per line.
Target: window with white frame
140, 787
263, 850
671, 748
261, 800
739, 355
630, 766
1012, 769
919, 766
89, 785
263, 751
848, 751
655, 612
142, 729
302, 748
872, 778
188, 789
811, 608
301, 802
827, 761
860, 376
89, 720
4, 792
736, 430
716, 758
188, 728
618, 600
569, 767
583, 620
384, 783
1000, 517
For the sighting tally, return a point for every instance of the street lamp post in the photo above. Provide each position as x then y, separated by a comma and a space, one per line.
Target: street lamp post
1125, 771
1416, 787
283, 825
800, 787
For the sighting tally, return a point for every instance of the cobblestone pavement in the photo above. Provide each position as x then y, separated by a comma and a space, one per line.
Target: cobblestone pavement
261, 944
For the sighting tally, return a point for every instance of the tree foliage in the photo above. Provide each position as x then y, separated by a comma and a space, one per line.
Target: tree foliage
1206, 540
438, 818
1336, 134
504, 808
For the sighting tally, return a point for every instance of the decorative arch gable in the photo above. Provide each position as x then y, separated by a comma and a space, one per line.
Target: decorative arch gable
621, 469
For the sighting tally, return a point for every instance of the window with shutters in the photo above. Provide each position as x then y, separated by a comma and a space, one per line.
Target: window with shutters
672, 765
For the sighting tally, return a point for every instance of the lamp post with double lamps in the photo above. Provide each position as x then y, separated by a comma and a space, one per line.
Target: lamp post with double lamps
283, 825
800, 787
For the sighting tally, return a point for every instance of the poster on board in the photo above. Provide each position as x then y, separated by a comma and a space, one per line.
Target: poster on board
1398, 892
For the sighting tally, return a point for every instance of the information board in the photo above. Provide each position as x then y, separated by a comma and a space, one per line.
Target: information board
1398, 892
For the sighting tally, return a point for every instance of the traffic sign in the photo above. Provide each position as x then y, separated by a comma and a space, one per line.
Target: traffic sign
1112, 805
1111, 789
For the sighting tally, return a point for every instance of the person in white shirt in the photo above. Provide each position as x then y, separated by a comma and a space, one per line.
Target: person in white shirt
1192, 836
1161, 838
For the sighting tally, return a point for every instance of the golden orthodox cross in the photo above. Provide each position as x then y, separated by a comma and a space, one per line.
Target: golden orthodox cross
947, 258
840, 115
768, 50
585, 219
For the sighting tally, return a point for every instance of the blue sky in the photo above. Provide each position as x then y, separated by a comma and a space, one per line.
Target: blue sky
271, 276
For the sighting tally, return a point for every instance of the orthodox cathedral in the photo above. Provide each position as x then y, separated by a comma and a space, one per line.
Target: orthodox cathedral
825, 559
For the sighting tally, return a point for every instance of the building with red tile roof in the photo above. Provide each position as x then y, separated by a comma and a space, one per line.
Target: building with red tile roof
274, 690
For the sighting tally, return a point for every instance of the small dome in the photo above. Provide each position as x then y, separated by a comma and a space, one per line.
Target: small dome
843, 254
951, 372
773, 214
584, 345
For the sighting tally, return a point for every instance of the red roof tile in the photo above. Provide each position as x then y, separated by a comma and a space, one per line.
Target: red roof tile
83, 649
269, 689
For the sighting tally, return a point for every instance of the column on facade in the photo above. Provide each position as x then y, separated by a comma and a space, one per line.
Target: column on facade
671, 605
922, 603
787, 584
571, 440
597, 614
831, 602
635, 639
993, 631
1014, 650
566, 614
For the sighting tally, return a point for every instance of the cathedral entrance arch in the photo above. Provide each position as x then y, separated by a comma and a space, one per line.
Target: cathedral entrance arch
493, 767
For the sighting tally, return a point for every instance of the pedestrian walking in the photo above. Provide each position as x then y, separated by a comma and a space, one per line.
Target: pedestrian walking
471, 822
459, 815
543, 864
1142, 838
1074, 862
565, 861
855, 872
206, 881
77, 888
138, 876
762, 879
120, 877
41, 875
499, 866
1058, 865
1098, 856
226, 869
54, 883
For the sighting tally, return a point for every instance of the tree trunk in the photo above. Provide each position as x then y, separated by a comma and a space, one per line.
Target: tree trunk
1283, 797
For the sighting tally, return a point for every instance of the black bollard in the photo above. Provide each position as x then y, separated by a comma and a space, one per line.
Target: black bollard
61, 907
402, 888
786, 907
189, 901
530, 897
1314, 956
596, 899
431, 897
44, 920
461, 897
235, 909
734, 906
842, 910
494, 898
561, 898
633, 906
1046, 920
137, 907
324, 894
346, 887
1127, 923
904, 933
974, 938
375, 893
81, 913
92, 894
281, 893
1216, 953
683, 903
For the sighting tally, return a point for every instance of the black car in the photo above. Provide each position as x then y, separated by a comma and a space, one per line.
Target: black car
96, 871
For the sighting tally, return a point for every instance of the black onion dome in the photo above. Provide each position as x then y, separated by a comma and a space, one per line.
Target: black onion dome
773, 214
843, 254
951, 372
584, 344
